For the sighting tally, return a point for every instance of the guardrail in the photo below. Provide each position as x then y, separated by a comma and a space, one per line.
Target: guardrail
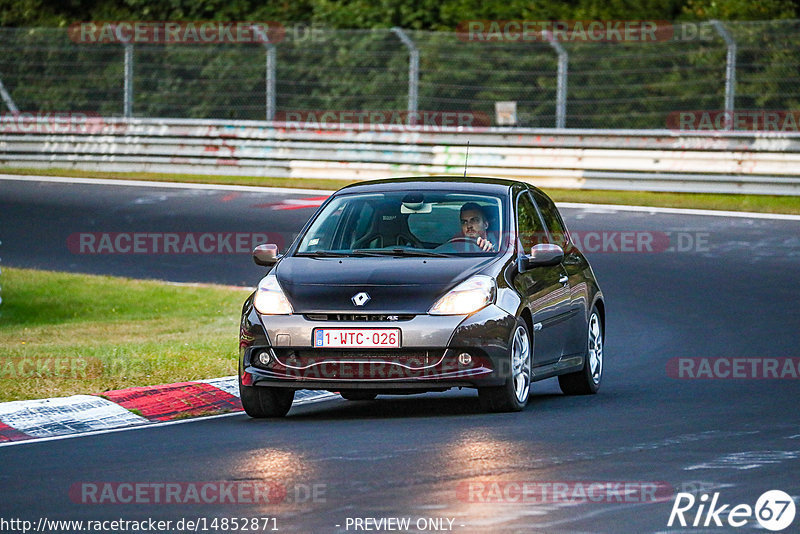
651, 160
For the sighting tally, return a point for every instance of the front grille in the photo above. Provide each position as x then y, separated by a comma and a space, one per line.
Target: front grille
358, 317
410, 358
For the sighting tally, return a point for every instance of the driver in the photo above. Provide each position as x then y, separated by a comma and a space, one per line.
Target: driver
474, 224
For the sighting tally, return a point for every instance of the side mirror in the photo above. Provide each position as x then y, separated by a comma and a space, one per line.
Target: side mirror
542, 255
266, 255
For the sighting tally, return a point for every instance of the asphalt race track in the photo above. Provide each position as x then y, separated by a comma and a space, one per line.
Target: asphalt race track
728, 288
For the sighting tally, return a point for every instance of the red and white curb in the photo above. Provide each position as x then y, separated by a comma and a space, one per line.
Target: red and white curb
62, 416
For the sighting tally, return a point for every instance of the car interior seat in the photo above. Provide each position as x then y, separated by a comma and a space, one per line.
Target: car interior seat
388, 228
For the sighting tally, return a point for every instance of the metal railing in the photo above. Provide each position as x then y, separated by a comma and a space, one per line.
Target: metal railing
654, 160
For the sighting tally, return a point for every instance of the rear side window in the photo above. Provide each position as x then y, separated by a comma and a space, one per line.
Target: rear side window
555, 226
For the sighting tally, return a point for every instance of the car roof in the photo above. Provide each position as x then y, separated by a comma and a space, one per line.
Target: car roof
422, 183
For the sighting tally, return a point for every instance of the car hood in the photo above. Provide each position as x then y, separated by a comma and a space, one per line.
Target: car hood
394, 285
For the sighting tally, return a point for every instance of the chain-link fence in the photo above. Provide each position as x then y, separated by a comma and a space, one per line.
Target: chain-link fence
610, 84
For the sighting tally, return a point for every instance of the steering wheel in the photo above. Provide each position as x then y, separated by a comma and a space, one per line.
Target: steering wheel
471, 243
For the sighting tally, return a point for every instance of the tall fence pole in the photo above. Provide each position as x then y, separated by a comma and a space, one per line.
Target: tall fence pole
270, 96
128, 97
730, 72
413, 72
272, 62
12, 107
561, 80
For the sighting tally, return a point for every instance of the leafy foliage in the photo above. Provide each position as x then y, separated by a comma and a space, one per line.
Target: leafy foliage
365, 67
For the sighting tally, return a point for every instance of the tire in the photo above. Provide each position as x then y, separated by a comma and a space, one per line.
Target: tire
587, 380
355, 395
262, 401
513, 395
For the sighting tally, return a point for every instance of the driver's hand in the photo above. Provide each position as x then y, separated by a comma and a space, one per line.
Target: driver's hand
485, 244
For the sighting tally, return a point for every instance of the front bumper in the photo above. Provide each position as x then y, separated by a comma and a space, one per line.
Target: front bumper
427, 360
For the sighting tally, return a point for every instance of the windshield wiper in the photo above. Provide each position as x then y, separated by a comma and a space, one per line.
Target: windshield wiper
373, 252
323, 254
400, 252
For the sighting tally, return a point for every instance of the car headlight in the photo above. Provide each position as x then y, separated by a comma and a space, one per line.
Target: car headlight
269, 299
467, 297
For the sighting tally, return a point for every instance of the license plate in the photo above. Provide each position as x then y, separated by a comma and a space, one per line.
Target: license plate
364, 338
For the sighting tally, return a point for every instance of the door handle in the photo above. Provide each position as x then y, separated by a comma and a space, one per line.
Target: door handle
563, 280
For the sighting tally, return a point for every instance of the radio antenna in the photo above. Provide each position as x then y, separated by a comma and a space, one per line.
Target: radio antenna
466, 159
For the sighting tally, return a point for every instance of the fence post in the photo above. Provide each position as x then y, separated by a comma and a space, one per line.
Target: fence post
561, 88
730, 72
272, 61
12, 107
271, 64
128, 97
413, 72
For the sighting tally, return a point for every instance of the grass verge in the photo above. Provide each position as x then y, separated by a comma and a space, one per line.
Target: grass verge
65, 334
727, 202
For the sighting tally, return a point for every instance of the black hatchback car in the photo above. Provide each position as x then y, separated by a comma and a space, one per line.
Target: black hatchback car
423, 284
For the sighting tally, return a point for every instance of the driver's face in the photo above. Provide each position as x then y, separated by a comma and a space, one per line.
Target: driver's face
473, 224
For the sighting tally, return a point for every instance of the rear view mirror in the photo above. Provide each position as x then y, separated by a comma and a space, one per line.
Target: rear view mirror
266, 255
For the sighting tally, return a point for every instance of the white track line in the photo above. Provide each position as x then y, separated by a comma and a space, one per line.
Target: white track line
170, 185
680, 211
319, 192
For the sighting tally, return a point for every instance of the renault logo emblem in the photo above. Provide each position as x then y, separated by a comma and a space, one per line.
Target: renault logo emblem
360, 299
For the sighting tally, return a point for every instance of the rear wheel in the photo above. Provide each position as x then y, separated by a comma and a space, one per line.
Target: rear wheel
513, 395
587, 380
358, 395
263, 401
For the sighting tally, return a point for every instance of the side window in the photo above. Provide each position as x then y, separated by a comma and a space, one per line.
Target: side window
558, 232
528, 223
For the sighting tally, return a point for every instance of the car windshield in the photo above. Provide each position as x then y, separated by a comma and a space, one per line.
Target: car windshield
426, 223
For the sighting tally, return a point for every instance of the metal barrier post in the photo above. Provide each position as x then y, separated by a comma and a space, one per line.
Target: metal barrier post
128, 98
413, 72
730, 72
561, 88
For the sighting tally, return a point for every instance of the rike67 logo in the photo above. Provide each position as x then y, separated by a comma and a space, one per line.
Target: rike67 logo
774, 510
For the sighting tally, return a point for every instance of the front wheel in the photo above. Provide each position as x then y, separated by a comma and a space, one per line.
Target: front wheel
263, 401
513, 395
587, 380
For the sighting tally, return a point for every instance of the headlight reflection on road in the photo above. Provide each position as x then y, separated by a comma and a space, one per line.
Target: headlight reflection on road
291, 477
480, 457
